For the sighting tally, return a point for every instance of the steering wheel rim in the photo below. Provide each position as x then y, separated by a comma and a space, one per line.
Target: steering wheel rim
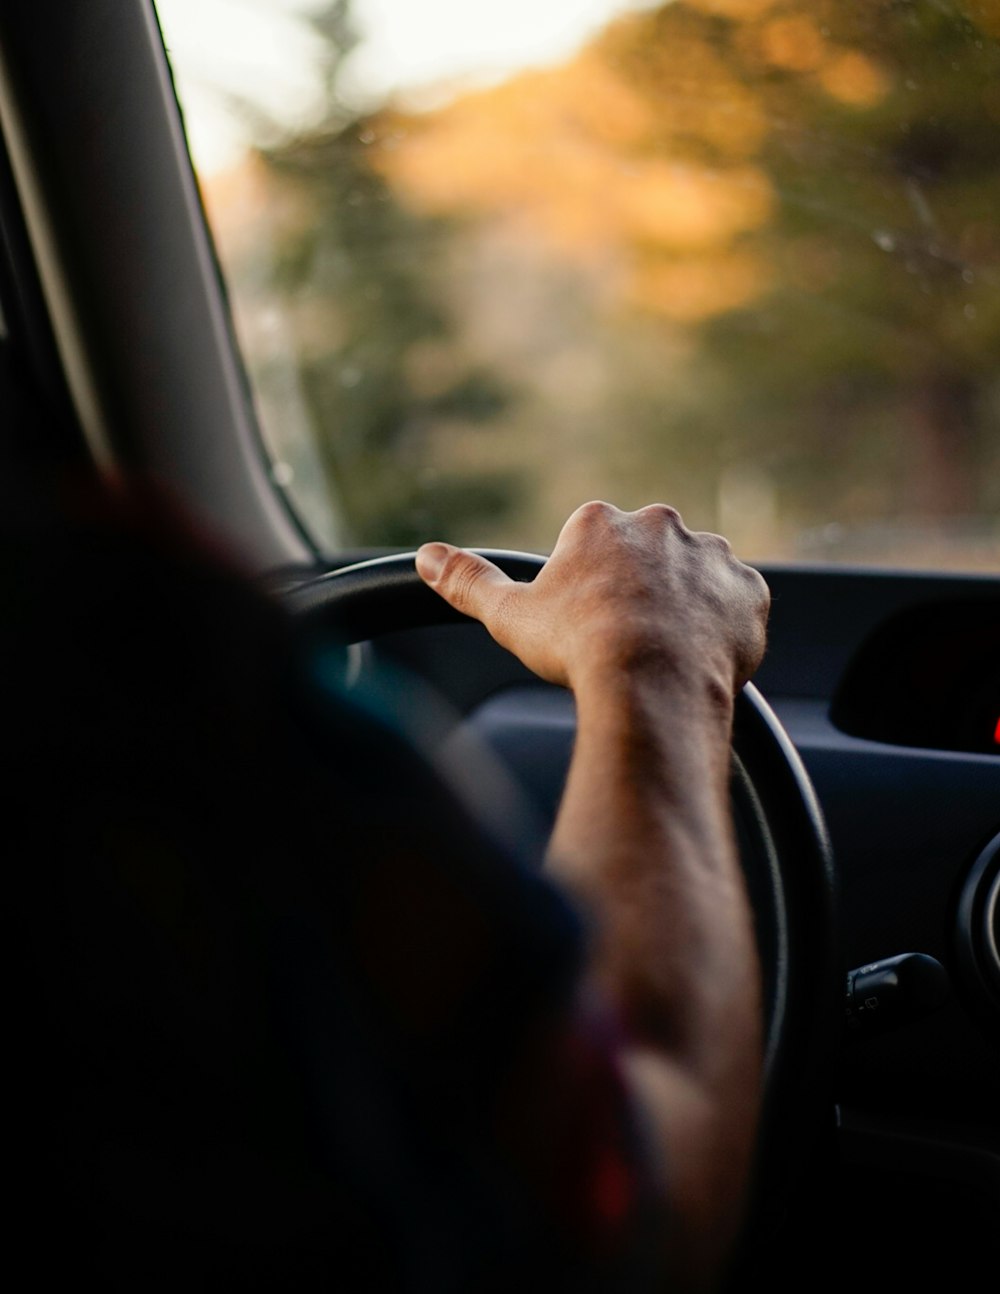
792, 886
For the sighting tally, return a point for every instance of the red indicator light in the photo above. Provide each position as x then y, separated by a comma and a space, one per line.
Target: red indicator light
996, 733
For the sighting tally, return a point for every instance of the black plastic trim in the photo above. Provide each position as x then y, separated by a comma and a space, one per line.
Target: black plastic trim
115, 219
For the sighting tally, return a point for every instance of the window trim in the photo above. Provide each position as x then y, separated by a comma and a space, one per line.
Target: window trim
100, 161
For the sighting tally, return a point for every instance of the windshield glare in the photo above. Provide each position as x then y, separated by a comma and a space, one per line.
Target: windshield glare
489, 261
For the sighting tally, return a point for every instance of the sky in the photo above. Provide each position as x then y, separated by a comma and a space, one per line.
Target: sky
414, 44
258, 49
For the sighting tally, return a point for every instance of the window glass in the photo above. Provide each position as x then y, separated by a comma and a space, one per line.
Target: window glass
488, 261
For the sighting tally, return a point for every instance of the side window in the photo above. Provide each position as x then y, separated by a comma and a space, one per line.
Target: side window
487, 261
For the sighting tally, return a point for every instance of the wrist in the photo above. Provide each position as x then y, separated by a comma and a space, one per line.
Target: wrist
646, 679
668, 727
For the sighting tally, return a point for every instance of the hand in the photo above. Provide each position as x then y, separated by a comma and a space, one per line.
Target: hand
634, 591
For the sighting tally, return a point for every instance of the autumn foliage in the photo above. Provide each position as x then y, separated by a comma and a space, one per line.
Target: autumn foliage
742, 254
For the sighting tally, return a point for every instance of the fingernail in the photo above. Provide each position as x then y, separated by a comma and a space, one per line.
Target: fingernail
430, 561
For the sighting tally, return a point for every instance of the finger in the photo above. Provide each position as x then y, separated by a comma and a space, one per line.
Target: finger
466, 581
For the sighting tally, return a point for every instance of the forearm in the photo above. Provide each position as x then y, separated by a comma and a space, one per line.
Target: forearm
655, 628
644, 837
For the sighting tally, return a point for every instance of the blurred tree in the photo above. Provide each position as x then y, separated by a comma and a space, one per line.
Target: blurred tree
867, 373
738, 253
354, 277
805, 189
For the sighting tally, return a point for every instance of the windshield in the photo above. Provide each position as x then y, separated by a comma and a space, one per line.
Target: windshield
487, 261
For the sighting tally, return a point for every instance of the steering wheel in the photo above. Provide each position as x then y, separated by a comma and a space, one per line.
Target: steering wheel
782, 839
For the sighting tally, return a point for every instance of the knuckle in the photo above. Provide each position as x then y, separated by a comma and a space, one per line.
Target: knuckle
757, 593
596, 510
719, 543
460, 575
757, 583
662, 512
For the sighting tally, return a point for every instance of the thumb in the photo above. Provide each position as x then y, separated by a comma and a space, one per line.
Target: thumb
466, 581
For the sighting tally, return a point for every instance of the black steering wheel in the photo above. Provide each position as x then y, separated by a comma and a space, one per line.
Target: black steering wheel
780, 830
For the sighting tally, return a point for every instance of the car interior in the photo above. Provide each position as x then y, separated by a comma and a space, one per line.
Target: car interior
866, 785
